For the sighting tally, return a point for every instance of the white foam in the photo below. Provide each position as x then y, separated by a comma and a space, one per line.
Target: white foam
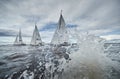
90, 61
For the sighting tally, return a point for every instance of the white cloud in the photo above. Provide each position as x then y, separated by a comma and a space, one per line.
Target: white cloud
110, 37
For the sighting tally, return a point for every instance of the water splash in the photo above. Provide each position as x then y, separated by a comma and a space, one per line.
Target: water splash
90, 61
84, 60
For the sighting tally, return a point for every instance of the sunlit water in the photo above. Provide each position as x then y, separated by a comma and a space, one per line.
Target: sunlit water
90, 58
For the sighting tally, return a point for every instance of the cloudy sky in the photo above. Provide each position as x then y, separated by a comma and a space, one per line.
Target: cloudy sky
99, 17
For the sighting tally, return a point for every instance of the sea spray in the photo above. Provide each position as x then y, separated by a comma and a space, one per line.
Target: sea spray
90, 61
82, 60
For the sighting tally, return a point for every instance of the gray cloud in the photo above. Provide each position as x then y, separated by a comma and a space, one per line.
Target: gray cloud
4, 32
97, 16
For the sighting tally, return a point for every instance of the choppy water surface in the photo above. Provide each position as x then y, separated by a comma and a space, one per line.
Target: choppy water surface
90, 59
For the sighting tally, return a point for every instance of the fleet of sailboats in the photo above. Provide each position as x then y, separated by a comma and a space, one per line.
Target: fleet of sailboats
60, 36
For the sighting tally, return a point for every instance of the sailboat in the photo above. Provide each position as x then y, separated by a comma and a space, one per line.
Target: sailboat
18, 41
36, 39
61, 33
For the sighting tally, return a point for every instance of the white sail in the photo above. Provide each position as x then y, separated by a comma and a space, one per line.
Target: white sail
36, 39
61, 34
18, 40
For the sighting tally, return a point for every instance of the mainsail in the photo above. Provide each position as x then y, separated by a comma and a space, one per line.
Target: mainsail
61, 34
18, 40
36, 39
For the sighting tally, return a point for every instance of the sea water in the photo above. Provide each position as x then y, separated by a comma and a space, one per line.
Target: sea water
90, 58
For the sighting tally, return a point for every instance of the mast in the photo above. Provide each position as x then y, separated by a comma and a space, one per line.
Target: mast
61, 35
